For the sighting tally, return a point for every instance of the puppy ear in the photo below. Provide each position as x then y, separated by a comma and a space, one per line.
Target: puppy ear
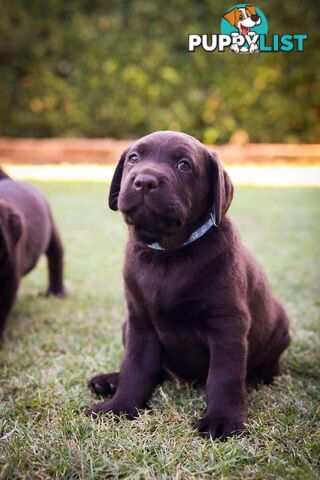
222, 188
15, 226
116, 183
11, 228
231, 16
3, 174
251, 9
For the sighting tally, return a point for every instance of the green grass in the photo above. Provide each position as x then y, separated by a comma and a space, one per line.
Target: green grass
52, 347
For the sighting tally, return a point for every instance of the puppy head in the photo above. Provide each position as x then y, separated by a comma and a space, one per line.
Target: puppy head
10, 229
166, 184
243, 18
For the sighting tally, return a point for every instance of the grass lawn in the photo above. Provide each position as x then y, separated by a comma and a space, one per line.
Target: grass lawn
52, 347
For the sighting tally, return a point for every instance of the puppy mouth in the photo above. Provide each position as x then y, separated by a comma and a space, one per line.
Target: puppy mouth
151, 226
244, 29
147, 234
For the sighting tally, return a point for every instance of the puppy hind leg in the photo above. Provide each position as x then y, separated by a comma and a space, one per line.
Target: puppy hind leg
279, 342
55, 265
263, 375
270, 367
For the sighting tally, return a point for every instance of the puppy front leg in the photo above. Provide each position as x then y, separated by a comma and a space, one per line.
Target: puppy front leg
140, 372
8, 290
225, 386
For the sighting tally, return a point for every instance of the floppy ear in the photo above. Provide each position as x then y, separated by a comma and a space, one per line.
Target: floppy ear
116, 183
11, 227
15, 226
222, 188
3, 174
231, 16
251, 9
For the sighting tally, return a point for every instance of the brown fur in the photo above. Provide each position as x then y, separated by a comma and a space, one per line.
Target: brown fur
27, 230
251, 9
233, 16
203, 312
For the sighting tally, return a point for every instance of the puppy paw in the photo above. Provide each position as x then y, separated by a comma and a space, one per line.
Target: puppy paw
220, 427
103, 384
253, 48
57, 293
235, 48
109, 406
96, 408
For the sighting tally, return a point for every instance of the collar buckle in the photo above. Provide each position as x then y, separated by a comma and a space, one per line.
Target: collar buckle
199, 232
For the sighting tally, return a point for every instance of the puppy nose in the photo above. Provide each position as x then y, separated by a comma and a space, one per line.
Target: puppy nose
146, 182
255, 18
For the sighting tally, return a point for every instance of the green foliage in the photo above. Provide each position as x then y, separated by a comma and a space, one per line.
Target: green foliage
121, 69
52, 347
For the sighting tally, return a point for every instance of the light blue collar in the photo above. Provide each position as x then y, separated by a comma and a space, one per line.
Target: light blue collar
211, 222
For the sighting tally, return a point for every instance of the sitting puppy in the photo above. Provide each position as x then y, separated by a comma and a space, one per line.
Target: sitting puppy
199, 307
27, 230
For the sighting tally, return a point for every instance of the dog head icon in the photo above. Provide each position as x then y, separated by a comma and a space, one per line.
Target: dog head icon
243, 18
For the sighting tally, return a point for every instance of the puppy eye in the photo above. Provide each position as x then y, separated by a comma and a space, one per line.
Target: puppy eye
133, 158
184, 165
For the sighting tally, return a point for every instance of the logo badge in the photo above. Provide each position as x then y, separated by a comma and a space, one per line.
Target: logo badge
244, 29
244, 23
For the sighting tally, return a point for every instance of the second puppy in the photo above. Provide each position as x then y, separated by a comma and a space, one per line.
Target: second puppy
27, 230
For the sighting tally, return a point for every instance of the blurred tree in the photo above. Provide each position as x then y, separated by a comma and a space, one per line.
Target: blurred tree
121, 69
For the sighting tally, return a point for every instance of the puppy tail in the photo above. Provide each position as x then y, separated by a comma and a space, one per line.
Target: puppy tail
3, 174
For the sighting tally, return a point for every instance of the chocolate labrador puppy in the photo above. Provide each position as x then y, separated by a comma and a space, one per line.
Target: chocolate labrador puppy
199, 306
27, 230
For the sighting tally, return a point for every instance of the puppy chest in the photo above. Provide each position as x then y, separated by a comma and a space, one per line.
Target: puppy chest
175, 305
177, 323
185, 354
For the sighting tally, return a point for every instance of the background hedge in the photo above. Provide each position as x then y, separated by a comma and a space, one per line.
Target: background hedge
121, 69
